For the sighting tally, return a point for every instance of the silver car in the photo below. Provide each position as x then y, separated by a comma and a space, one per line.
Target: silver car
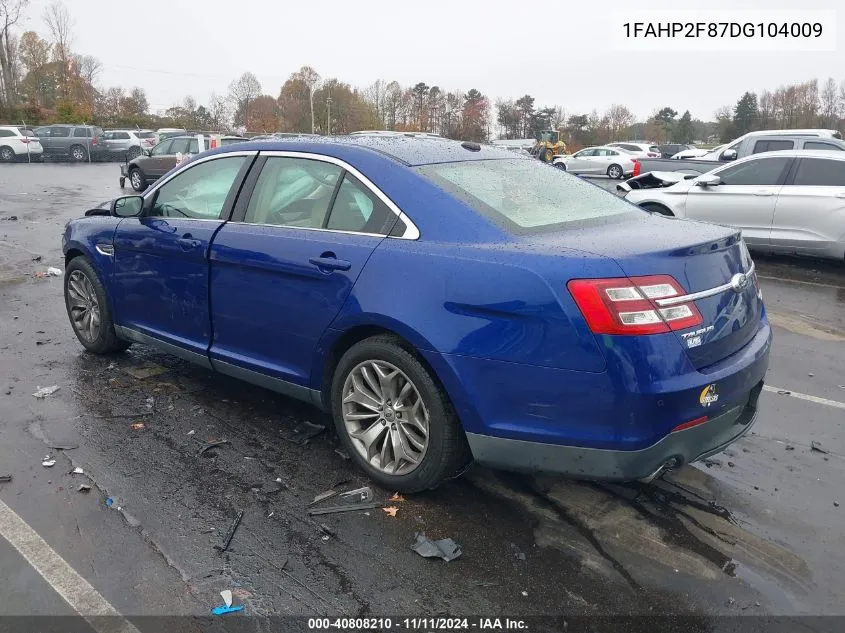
790, 201
600, 161
128, 143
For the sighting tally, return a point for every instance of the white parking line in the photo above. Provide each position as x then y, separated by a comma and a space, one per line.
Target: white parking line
804, 396
63, 578
797, 281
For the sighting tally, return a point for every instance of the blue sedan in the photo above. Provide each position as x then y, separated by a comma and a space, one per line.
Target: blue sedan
443, 301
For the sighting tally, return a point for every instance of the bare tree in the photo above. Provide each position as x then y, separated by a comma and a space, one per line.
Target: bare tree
89, 68
310, 78
10, 13
60, 24
830, 103
619, 118
219, 111
242, 91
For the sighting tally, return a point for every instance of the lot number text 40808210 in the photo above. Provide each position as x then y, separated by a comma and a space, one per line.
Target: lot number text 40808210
416, 624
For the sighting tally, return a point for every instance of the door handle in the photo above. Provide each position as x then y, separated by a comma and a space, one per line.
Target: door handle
764, 192
328, 264
188, 244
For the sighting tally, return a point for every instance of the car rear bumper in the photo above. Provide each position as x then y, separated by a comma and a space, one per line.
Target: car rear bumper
672, 451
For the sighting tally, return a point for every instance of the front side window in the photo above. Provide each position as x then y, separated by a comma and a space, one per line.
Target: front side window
199, 192
763, 172
524, 195
293, 192
819, 172
357, 209
180, 145
584, 153
162, 149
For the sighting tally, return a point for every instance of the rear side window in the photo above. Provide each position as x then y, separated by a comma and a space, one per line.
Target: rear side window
145, 134
772, 146
120, 135
357, 209
820, 172
654, 149
766, 171
81, 132
820, 145
59, 131
6, 133
524, 195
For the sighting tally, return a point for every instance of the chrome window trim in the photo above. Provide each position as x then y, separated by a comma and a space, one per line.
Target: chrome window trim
411, 230
663, 303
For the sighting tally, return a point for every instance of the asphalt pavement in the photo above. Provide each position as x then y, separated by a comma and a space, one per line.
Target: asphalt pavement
755, 530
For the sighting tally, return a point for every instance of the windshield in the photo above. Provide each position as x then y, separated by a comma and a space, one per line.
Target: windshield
524, 195
548, 136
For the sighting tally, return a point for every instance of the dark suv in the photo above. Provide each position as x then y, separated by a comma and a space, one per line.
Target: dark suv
78, 142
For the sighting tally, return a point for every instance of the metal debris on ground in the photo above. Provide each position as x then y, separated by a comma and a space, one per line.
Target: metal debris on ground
326, 529
361, 495
43, 392
145, 371
77, 471
223, 609
63, 447
227, 540
817, 447
789, 447
302, 433
445, 548
48, 461
84, 488
391, 511
37, 258
226, 594
209, 445
349, 507
344, 455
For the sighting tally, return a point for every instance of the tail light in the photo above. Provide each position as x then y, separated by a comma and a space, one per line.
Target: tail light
25, 140
93, 140
627, 305
637, 168
653, 155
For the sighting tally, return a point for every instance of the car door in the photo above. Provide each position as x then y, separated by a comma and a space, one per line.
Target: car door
283, 268
810, 210
59, 139
120, 142
580, 161
745, 197
161, 258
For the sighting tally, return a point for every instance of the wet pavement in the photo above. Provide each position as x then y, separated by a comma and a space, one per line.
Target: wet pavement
755, 530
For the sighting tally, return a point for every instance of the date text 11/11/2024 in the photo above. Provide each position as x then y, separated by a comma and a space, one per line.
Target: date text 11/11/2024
416, 624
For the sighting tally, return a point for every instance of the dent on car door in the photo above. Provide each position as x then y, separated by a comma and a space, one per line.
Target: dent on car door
283, 268
810, 210
161, 259
745, 197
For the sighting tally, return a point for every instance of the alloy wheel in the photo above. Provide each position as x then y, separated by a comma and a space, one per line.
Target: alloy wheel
83, 306
385, 417
6, 154
78, 154
136, 180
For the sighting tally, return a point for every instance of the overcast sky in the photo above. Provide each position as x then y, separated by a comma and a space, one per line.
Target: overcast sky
559, 51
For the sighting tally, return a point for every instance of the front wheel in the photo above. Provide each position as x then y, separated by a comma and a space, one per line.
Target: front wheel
7, 154
88, 309
615, 172
138, 180
561, 166
394, 419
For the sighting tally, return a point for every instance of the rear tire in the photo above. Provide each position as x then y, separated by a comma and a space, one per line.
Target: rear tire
615, 172
653, 207
7, 154
403, 406
78, 153
88, 309
137, 180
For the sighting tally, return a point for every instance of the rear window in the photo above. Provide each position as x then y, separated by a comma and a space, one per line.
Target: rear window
145, 134
524, 195
821, 145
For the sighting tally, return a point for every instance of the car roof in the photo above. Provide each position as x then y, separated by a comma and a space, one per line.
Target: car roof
411, 151
795, 153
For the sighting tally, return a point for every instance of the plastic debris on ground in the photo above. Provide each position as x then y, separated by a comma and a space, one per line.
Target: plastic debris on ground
391, 511
145, 371
302, 433
223, 609
63, 447
328, 494
84, 488
817, 447
349, 507
209, 445
43, 392
226, 594
445, 548
77, 471
361, 495
48, 461
54, 272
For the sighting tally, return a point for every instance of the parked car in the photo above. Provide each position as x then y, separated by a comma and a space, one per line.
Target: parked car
696, 152
639, 149
169, 132
128, 143
746, 145
550, 326
152, 164
611, 161
77, 142
670, 149
784, 201
18, 143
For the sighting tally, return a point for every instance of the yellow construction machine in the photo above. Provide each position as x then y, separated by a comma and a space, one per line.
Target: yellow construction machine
549, 144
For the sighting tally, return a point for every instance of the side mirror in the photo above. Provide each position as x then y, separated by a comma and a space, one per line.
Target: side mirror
127, 206
148, 152
708, 180
728, 154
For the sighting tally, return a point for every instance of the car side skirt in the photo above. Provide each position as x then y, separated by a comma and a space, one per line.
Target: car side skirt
311, 396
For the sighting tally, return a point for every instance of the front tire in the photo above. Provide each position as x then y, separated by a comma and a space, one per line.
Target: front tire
394, 419
615, 172
561, 166
78, 153
137, 180
7, 154
88, 309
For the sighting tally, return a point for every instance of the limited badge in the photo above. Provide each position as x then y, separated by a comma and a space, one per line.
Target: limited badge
708, 396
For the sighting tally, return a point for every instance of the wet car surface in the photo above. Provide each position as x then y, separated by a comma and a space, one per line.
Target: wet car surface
753, 530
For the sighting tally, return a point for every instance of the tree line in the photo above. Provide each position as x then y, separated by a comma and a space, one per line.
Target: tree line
44, 80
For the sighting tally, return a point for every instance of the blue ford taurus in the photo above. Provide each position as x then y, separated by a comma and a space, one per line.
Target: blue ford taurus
444, 301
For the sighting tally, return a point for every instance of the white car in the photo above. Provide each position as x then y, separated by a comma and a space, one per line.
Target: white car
697, 152
790, 201
646, 150
18, 143
600, 161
